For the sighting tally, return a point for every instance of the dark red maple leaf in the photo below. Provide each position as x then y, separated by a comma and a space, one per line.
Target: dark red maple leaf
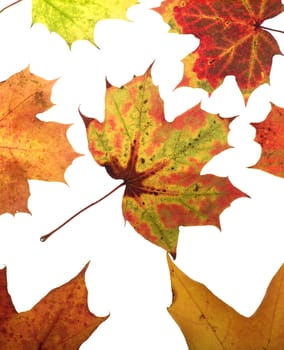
232, 40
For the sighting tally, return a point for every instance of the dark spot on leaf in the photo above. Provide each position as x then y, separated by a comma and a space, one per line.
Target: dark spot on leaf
196, 188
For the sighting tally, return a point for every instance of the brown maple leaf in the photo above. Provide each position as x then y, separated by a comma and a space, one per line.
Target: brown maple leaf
60, 321
160, 162
209, 324
232, 40
29, 148
269, 134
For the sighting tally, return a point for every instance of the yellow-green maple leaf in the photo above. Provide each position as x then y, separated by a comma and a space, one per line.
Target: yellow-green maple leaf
75, 19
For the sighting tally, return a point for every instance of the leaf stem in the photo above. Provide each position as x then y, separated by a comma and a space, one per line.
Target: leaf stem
6, 7
273, 30
45, 237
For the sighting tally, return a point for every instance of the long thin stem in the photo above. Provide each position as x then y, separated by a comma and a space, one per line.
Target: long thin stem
273, 30
13, 3
45, 237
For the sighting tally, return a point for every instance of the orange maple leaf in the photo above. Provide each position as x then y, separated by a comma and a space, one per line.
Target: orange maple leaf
61, 320
160, 162
29, 148
232, 40
269, 134
209, 324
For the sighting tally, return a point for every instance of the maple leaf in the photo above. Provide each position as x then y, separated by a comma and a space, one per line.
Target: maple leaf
209, 324
75, 20
29, 148
160, 161
232, 40
269, 135
61, 320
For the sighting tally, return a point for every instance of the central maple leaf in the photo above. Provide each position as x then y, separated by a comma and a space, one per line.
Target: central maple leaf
232, 40
160, 162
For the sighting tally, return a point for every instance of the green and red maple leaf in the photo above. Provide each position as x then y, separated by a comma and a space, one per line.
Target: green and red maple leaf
232, 40
160, 162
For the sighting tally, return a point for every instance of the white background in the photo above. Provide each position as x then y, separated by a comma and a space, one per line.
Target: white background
128, 276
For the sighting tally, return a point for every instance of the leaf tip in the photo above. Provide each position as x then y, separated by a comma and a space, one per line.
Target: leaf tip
108, 84
86, 120
86, 267
170, 259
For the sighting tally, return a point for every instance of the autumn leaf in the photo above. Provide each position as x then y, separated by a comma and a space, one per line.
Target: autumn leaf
160, 162
61, 320
232, 40
269, 134
29, 148
75, 20
209, 324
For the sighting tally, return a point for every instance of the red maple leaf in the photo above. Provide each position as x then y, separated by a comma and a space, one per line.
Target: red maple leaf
232, 40
269, 134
